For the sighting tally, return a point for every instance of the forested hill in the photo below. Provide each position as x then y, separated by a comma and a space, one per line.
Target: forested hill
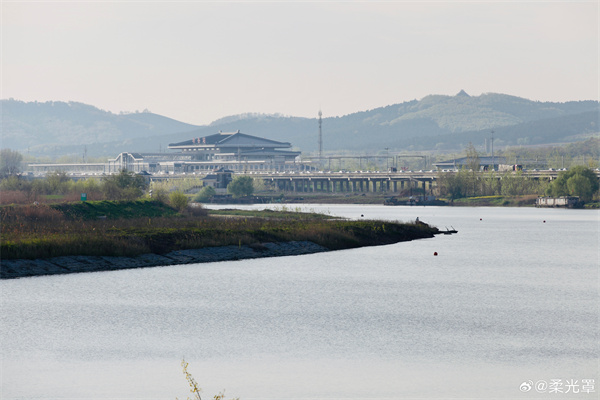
40, 127
434, 122
462, 113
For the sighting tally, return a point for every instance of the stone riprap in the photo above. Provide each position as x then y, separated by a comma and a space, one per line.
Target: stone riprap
10, 269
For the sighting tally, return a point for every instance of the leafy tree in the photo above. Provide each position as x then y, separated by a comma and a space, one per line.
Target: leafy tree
241, 186
160, 194
260, 185
184, 184
178, 200
512, 185
127, 179
578, 181
466, 183
205, 194
57, 182
473, 161
125, 185
489, 184
580, 185
10, 162
515, 184
453, 185
13, 183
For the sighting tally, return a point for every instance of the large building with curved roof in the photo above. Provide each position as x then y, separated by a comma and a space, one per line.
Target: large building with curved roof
235, 151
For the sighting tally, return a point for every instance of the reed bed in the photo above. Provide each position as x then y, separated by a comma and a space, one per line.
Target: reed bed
32, 232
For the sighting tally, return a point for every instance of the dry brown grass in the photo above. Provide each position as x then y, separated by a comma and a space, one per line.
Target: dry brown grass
14, 197
41, 232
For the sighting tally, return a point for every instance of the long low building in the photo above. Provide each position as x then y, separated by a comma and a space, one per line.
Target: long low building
235, 151
485, 163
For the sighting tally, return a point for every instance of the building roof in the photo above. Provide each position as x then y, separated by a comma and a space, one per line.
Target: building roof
484, 160
269, 152
223, 170
232, 139
215, 173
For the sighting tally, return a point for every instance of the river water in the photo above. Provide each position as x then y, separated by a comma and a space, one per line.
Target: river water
510, 301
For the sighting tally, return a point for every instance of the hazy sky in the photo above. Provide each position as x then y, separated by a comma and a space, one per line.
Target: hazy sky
197, 61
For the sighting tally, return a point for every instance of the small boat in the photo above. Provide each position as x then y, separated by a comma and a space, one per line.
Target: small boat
449, 231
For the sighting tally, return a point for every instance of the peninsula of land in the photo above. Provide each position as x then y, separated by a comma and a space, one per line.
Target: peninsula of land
105, 236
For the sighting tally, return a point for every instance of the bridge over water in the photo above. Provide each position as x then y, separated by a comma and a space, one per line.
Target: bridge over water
347, 182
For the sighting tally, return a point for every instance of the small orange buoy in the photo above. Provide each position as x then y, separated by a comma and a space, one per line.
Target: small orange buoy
435, 253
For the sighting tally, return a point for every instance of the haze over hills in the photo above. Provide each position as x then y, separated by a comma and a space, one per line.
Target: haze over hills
41, 127
435, 122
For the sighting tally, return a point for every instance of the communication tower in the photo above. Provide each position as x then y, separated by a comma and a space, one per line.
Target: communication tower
493, 161
320, 137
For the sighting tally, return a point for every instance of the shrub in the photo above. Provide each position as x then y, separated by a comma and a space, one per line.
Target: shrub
205, 195
160, 195
196, 210
178, 200
125, 185
13, 183
58, 182
241, 186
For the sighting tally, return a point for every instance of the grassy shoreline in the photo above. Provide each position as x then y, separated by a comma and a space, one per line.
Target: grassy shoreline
379, 199
131, 229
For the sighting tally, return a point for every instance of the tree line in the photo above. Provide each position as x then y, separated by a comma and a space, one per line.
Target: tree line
122, 186
126, 185
578, 181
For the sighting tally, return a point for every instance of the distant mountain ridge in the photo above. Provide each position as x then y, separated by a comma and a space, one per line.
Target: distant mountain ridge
36, 125
435, 122
462, 113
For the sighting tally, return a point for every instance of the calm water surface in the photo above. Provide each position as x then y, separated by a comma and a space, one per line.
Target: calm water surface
509, 299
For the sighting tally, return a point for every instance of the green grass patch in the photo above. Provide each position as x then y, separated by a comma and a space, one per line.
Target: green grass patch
115, 209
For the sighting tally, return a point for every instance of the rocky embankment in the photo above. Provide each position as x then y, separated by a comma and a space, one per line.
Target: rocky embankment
11, 269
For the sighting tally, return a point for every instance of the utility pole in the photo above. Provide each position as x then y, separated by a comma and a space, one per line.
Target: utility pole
387, 163
320, 137
493, 161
